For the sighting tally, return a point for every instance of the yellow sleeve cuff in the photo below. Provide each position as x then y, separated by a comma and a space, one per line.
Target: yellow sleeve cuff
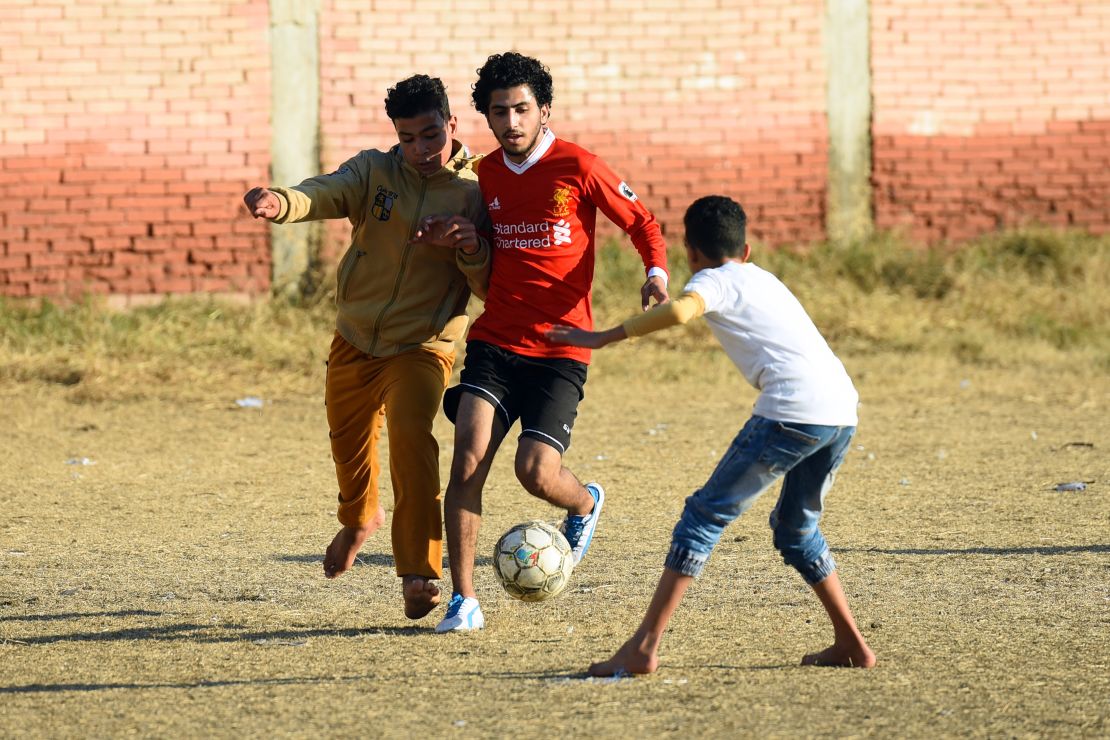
679, 311
283, 209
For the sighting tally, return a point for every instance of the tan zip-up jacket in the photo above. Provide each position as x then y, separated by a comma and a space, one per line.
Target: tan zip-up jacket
393, 296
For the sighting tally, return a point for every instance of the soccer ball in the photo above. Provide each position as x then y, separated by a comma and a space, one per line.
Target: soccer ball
533, 561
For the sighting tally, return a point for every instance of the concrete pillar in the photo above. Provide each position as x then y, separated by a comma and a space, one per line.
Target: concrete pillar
848, 61
295, 126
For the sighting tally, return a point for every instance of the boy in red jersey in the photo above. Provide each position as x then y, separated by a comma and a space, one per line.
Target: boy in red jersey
543, 195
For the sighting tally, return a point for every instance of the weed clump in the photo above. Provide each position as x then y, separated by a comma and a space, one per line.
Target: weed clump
1031, 295
1034, 288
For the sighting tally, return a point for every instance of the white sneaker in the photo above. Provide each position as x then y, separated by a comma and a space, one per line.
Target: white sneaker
462, 615
579, 530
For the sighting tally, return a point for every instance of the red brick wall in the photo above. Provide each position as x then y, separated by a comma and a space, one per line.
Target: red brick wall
990, 114
128, 131
680, 97
130, 128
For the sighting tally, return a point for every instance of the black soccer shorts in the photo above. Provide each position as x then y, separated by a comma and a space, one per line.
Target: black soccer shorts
543, 393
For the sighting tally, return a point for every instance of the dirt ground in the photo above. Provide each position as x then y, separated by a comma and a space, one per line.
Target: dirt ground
160, 571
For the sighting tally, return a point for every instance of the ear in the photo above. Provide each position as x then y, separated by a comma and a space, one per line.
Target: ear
452, 126
747, 252
545, 114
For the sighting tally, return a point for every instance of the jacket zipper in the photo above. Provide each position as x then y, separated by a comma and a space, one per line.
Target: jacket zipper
348, 269
405, 254
446, 303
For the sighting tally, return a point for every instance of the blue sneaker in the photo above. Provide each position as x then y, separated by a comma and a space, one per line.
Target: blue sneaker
579, 530
462, 615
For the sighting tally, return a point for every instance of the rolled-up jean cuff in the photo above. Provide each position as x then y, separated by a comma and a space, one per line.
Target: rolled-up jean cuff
819, 569
686, 562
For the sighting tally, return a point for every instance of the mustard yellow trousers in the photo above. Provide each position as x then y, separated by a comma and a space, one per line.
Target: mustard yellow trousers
405, 390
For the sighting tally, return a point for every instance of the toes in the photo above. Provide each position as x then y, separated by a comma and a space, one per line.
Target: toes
829, 659
602, 670
333, 565
421, 596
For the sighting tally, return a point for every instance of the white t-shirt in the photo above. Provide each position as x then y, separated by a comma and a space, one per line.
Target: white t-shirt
768, 335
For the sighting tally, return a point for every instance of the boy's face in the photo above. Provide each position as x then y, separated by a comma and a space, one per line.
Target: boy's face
517, 120
426, 140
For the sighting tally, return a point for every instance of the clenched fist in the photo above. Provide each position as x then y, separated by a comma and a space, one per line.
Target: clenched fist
262, 203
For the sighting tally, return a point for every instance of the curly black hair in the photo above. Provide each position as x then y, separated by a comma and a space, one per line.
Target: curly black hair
502, 71
716, 226
416, 95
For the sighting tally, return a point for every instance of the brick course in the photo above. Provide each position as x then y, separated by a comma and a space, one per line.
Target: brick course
129, 131
990, 115
680, 98
108, 113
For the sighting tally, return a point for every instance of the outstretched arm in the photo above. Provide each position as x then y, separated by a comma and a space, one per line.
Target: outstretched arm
686, 307
341, 194
582, 338
621, 205
262, 203
655, 287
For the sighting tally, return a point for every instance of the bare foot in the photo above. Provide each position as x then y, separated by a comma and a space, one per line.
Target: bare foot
844, 656
341, 553
634, 656
421, 595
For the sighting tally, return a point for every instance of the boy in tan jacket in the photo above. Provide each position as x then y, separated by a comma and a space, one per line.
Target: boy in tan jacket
403, 286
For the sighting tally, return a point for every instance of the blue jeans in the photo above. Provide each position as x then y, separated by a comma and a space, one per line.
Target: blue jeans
764, 451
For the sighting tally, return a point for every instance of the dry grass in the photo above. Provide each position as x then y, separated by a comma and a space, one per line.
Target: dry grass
173, 586
1012, 298
1020, 297
184, 348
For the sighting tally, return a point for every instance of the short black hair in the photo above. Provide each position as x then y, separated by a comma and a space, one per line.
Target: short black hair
502, 71
716, 226
417, 95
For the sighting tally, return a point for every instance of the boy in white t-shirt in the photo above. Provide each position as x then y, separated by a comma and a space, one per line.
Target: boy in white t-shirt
801, 427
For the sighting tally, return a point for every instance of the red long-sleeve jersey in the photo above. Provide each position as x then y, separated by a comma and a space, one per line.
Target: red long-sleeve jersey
543, 213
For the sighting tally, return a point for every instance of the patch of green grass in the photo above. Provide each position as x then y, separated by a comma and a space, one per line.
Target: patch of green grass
183, 344
1003, 297
1016, 297
1038, 253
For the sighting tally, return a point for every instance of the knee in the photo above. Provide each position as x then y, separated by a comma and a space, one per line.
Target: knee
535, 475
791, 541
468, 471
806, 551
465, 465
702, 523
783, 536
708, 510
410, 427
463, 494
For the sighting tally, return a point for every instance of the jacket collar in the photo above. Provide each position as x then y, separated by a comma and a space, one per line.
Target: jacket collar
457, 162
546, 142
